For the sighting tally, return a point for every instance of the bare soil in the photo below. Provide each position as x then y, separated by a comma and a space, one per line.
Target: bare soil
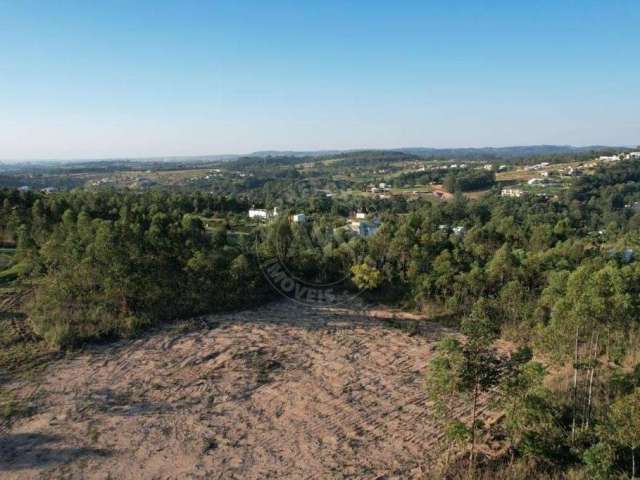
284, 391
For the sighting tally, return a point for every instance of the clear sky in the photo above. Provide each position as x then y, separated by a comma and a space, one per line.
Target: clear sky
91, 79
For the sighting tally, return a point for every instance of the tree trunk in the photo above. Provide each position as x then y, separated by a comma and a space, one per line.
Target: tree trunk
449, 442
633, 463
607, 359
593, 369
575, 387
587, 369
472, 453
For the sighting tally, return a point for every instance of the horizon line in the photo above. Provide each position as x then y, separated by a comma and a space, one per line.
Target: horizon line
297, 151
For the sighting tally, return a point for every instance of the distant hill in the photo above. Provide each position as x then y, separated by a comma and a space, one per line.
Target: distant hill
452, 153
168, 159
506, 152
294, 153
485, 152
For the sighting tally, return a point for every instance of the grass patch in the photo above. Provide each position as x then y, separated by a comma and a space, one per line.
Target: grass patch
12, 409
410, 327
22, 353
11, 272
260, 362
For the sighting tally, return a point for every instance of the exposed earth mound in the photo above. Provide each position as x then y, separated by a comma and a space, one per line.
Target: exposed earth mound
279, 392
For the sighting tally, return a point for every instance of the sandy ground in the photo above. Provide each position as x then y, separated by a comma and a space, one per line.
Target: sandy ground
280, 392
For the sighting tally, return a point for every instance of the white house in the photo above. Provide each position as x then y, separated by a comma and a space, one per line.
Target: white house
512, 192
258, 213
263, 213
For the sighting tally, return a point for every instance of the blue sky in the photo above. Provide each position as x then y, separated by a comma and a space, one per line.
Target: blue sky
135, 78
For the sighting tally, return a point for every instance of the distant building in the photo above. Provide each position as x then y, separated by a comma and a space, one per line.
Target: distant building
142, 183
24, 188
102, 181
258, 213
627, 255
542, 181
459, 230
48, 190
537, 166
361, 215
263, 213
298, 218
609, 158
512, 192
363, 228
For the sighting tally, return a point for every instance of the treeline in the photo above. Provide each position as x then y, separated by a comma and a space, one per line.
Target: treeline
419, 177
469, 180
453, 180
106, 264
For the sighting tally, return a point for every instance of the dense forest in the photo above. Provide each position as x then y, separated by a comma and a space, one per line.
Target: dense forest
558, 278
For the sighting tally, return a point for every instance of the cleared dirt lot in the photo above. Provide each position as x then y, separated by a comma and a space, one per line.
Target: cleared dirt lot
280, 392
